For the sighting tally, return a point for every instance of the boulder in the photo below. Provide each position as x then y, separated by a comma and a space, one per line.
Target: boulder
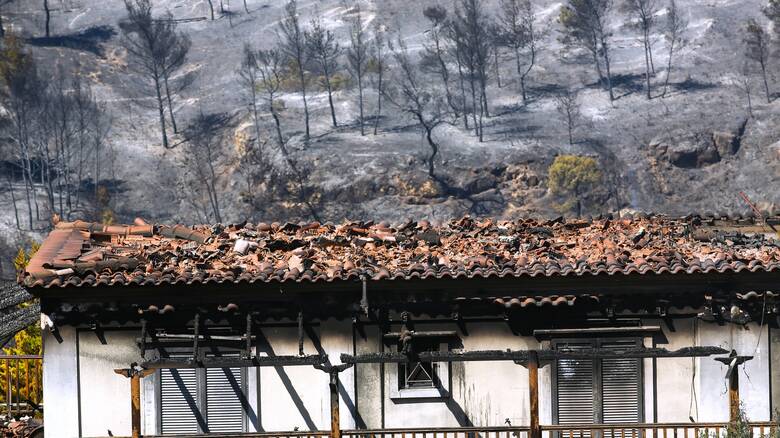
686, 151
481, 182
726, 143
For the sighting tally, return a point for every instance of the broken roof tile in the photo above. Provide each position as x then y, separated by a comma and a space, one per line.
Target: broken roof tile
86, 254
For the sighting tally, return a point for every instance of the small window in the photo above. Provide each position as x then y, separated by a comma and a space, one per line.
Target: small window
421, 379
419, 374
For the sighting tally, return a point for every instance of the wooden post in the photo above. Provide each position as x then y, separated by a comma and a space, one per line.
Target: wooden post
733, 361
734, 395
533, 394
335, 426
135, 376
135, 404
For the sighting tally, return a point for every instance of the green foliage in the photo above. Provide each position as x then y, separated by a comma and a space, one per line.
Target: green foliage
570, 177
23, 256
14, 60
741, 427
104, 204
373, 66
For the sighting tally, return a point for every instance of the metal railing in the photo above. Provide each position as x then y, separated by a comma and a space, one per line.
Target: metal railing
635, 430
21, 385
652, 430
442, 432
628, 430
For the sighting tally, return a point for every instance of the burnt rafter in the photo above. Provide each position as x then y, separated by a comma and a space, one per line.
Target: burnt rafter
522, 356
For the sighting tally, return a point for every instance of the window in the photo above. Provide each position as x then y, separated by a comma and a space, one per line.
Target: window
202, 400
421, 379
419, 374
597, 390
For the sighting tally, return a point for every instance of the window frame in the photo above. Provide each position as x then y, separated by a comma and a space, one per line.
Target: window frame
598, 407
441, 390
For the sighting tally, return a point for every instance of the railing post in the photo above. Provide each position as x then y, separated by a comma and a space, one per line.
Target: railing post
533, 394
335, 426
8, 393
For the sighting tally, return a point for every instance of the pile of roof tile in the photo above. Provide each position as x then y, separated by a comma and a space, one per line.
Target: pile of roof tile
23, 428
87, 254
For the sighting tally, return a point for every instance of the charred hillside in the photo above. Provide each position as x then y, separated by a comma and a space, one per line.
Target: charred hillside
223, 111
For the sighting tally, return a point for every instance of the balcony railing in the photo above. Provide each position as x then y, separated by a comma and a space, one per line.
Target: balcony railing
633, 430
21, 385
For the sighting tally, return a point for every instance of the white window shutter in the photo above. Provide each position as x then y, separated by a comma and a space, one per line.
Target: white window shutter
179, 401
224, 393
575, 389
620, 388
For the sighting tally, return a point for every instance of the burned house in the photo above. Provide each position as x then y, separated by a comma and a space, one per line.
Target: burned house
535, 328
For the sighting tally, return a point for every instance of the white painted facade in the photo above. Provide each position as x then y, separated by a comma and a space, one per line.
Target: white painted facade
96, 402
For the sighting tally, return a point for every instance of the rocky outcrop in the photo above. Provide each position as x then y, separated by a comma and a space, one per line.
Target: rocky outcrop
685, 151
697, 150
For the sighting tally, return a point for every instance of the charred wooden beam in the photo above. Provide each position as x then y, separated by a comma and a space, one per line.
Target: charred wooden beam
647, 331
233, 362
419, 334
522, 356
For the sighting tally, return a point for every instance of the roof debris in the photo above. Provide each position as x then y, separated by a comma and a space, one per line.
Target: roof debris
85, 254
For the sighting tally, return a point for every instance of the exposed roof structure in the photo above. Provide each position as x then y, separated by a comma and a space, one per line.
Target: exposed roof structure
86, 254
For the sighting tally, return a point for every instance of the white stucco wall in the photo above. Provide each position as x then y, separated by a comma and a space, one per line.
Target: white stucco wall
299, 396
99, 383
60, 385
483, 393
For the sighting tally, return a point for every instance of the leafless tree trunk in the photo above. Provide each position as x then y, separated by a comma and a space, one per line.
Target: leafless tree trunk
357, 55
585, 24
379, 61
757, 51
293, 45
211, 9
411, 100
437, 16
155, 51
673, 30
47, 12
568, 108
248, 74
644, 12
326, 51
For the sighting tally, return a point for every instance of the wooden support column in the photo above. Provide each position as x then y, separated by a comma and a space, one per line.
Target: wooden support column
533, 395
733, 361
335, 425
333, 372
734, 395
135, 375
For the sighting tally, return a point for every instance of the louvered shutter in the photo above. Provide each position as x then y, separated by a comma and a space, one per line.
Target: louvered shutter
620, 387
574, 388
223, 398
179, 401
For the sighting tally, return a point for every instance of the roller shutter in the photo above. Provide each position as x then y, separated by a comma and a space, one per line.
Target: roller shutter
179, 404
224, 400
208, 400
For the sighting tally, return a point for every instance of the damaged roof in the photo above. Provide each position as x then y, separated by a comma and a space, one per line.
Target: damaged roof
88, 254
